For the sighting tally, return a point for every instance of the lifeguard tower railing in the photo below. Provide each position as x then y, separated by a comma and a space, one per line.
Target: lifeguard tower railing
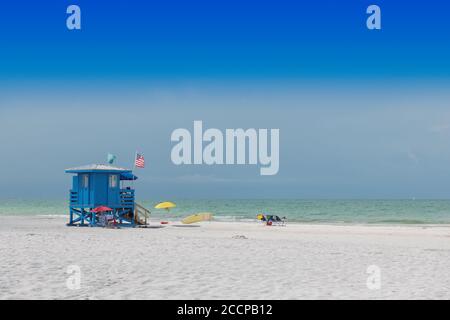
126, 199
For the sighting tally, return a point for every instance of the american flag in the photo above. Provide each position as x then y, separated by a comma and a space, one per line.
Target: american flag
140, 161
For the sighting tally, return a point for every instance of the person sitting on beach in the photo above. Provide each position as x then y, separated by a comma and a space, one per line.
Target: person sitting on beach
110, 220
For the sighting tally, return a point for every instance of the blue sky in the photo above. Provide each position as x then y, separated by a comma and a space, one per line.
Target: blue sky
243, 39
362, 114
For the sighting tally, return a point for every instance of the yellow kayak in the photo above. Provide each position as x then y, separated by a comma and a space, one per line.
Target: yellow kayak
199, 217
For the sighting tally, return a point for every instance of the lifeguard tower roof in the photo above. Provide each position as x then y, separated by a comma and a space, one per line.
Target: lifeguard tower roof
97, 168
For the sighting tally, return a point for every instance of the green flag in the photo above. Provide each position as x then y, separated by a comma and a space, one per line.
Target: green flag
111, 158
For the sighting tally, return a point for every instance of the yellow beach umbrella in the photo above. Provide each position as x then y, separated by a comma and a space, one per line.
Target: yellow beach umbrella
165, 205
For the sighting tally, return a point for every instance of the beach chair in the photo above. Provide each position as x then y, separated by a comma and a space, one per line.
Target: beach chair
107, 220
279, 221
111, 221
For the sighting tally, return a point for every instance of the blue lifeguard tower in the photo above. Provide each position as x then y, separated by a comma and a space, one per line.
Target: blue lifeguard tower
103, 185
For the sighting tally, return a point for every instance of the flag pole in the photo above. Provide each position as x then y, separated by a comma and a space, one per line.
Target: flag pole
134, 168
132, 186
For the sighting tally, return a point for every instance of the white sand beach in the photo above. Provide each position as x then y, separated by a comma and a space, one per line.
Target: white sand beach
221, 260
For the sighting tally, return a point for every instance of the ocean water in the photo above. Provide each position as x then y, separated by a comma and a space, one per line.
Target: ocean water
303, 211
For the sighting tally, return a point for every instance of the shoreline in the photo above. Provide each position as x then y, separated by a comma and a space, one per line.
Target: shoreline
156, 220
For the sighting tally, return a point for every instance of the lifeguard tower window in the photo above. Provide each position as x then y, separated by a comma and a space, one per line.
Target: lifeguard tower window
85, 181
113, 181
